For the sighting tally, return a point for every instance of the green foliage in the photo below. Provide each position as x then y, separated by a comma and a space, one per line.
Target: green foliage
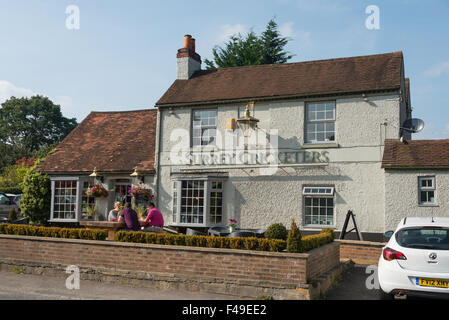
251, 49
273, 45
315, 241
12, 215
36, 200
202, 241
24, 230
33, 123
294, 238
276, 231
12, 178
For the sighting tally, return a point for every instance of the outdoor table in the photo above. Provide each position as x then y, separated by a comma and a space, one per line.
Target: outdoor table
110, 227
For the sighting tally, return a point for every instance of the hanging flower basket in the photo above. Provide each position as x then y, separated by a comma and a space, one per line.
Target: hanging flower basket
97, 191
141, 193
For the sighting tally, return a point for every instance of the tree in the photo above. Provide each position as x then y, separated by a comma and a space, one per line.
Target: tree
294, 238
29, 124
273, 45
36, 200
251, 50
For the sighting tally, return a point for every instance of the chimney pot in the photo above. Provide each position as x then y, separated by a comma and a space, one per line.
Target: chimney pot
192, 44
187, 38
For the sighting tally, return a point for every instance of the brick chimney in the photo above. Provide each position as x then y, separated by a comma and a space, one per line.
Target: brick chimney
188, 60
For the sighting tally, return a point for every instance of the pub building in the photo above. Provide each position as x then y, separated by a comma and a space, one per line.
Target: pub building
266, 144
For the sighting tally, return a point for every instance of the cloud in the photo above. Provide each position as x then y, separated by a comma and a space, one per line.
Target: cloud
228, 30
322, 5
438, 70
286, 29
8, 90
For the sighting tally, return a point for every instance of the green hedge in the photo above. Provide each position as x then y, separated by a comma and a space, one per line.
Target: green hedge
11, 190
202, 241
307, 243
317, 240
25, 230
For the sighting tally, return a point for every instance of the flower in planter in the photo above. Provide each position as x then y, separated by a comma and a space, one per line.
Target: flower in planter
141, 192
97, 191
232, 223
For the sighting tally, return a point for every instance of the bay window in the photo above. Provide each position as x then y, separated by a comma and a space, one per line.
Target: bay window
197, 202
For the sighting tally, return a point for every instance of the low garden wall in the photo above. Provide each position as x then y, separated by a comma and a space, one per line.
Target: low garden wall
231, 271
361, 252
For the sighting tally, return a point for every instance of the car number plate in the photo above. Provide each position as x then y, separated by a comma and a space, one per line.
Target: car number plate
438, 283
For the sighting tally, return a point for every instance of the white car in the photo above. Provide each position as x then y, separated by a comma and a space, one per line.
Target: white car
415, 261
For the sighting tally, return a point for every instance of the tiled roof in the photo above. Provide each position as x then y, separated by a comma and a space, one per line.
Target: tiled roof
109, 141
419, 154
355, 74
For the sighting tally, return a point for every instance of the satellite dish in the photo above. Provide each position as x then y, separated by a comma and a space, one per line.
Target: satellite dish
413, 125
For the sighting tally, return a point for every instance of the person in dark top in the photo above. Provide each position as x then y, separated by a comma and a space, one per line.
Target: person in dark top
130, 218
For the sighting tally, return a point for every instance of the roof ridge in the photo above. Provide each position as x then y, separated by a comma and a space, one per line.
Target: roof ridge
305, 62
124, 111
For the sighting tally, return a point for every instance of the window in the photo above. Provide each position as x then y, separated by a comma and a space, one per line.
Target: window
320, 122
204, 128
65, 199
192, 202
427, 190
86, 201
175, 201
216, 202
319, 206
197, 202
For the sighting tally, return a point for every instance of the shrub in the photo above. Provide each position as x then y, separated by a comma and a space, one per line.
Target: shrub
329, 230
314, 241
276, 231
12, 215
36, 199
202, 241
24, 230
294, 238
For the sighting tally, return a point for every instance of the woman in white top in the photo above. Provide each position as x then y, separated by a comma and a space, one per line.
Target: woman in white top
113, 214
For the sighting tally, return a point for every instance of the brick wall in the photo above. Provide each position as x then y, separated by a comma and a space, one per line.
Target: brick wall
276, 268
322, 260
361, 252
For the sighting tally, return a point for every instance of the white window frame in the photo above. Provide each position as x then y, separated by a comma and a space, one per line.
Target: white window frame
315, 192
177, 187
421, 189
77, 202
324, 121
200, 127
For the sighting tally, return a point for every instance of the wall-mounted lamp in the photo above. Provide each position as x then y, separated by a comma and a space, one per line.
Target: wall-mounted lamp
247, 122
96, 176
136, 174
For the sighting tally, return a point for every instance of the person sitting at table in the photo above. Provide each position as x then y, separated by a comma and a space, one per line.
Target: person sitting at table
113, 214
130, 218
154, 221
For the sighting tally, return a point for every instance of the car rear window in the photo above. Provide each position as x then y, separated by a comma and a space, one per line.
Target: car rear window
424, 238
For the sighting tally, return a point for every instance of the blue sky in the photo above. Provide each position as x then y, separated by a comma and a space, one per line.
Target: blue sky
123, 57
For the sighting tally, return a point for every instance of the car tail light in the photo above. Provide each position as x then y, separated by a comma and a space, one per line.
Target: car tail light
390, 255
